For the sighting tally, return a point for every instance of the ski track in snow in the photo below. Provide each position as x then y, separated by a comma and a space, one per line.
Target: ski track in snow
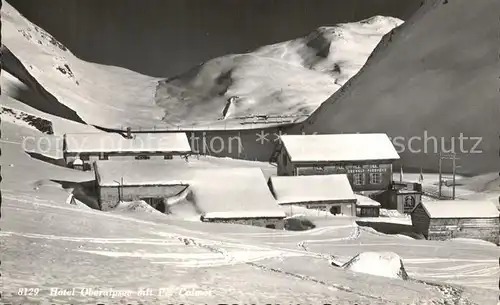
244, 253
231, 258
440, 260
139, 241
225, 251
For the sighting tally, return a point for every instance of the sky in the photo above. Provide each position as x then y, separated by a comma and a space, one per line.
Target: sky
164, 38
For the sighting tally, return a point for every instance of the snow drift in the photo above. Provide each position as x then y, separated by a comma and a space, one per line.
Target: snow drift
138, 206
435, 76
386, 264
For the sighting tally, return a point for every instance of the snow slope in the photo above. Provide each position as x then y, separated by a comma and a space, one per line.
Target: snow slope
437, 75
66, 246
72, 88
59, 125
289, 78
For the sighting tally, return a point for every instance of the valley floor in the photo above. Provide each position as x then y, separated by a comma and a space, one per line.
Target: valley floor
48, 243
53, 245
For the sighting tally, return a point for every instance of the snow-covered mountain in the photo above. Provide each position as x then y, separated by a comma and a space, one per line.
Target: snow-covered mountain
435, 76
68, 87
288, 78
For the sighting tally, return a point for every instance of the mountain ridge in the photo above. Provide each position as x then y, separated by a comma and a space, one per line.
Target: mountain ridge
290, 78
435, 75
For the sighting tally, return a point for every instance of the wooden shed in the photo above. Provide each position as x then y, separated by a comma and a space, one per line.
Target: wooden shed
367, 207
366, 159
447, 219
331, 193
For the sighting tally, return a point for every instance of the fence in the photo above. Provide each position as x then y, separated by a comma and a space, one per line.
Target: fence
245, 123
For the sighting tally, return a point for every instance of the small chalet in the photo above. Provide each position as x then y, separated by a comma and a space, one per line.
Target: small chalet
446, 219
331, 193
366, 158
81, 149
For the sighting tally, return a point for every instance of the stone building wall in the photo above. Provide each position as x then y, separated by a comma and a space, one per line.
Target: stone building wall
109, 196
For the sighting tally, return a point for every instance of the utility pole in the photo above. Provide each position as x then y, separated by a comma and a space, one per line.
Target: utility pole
454, 174
440, 182
121, 187
448, 156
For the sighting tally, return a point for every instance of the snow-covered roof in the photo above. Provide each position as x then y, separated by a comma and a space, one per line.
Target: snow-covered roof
234, 193
141, 172
339, 147
297, 189
460, 209
364, 201
227, 190
113, 142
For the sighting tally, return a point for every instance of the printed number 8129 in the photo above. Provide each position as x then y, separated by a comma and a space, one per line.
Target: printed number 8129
28, 291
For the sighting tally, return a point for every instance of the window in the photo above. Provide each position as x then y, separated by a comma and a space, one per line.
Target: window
358, 179
142, 157
271, 226
375, 178
285, 160
103, 157
319, 168
168, 157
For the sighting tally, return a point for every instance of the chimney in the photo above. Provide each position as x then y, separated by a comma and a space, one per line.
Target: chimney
129, 133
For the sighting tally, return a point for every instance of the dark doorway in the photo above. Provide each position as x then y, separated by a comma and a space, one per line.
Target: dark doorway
157, 203
160, 206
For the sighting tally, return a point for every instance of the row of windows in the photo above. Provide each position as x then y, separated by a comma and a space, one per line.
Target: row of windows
359, 179
106, 157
